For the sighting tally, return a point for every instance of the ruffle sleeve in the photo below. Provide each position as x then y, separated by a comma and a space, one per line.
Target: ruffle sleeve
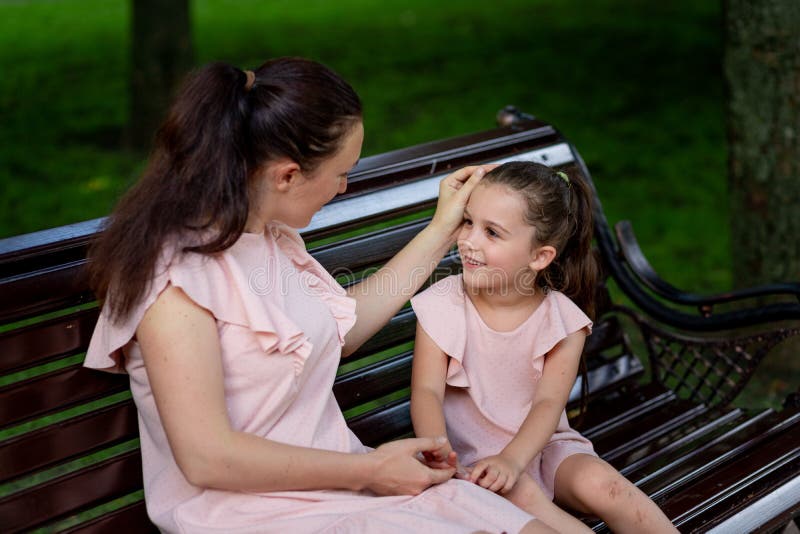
441, 313
561, 317
240, 286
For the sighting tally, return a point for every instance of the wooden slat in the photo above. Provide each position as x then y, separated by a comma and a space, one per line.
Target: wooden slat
56, 391
608, 413
669, 475
656, 423
36, 344
131, 519
72, 493
401, 329
383, 424
678, 442
373, 381
725, 490
44, 291
373, 248
62, 441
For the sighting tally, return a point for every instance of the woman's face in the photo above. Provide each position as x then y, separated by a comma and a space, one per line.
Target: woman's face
315, 189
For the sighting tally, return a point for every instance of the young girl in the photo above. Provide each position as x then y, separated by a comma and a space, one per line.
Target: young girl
498, 349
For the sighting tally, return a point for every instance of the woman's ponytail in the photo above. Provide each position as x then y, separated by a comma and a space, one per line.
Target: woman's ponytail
223, 125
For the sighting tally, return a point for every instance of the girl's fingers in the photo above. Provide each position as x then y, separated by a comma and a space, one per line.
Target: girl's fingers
488, 479
477, 472
499, 483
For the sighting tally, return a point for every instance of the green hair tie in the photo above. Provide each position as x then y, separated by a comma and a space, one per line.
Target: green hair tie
563, 176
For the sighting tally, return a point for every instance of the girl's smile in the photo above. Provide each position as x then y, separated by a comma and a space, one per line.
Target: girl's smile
495, 242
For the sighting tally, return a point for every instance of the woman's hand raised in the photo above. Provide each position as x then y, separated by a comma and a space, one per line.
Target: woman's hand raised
397, 470
454, 191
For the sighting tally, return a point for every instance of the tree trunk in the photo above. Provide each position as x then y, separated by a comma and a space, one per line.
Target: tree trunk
161, 46
762, 72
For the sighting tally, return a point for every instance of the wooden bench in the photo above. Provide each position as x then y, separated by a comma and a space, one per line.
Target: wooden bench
662, 414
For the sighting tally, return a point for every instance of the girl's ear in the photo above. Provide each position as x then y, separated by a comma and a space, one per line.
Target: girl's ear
541, 257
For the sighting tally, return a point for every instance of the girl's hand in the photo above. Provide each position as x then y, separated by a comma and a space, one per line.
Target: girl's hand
454, 191
495, 473
442, 457
397, 470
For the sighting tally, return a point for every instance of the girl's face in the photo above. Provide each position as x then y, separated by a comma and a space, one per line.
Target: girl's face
495, 243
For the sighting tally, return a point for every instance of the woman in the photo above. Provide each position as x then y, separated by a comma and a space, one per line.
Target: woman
231, 333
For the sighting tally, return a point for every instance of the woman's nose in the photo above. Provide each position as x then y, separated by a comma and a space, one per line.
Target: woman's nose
342, 184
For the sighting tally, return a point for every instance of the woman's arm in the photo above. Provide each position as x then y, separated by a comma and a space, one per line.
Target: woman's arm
382, 294
558, 376
181, 351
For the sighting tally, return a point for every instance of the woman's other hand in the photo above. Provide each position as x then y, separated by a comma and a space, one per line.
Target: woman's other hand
398, 471
454, 191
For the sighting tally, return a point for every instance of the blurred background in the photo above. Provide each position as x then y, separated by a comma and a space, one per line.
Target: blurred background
636, 86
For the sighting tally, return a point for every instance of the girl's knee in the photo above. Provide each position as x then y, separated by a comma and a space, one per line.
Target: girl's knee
600, 485
527, 494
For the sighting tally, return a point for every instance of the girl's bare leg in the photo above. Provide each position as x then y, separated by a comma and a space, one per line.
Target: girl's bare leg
587, 484
537, 527
527, 494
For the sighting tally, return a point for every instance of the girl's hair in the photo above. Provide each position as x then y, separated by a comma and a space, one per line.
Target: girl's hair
560, 211
222, 127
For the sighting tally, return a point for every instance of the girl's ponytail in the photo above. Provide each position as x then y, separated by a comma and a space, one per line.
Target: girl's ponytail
577, 261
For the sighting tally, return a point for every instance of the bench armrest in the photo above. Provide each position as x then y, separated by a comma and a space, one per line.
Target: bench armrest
638, 263
645, 277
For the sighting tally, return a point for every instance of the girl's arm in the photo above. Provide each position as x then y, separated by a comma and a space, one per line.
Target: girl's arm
428, 375
381, 295
558, 376
181, 350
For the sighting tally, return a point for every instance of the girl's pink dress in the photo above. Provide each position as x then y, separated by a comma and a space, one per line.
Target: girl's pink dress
281, 320
492, 376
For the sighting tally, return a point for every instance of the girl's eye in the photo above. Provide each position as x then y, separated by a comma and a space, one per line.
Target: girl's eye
491, 232
467, 222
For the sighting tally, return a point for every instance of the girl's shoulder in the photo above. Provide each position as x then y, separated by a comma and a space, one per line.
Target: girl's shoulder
556, 318
448, 291
440, 312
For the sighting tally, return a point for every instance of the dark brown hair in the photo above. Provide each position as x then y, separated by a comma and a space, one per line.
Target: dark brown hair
217, 133
560, 210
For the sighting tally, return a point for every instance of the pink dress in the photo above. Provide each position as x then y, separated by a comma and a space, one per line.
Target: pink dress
492, 376
281, 320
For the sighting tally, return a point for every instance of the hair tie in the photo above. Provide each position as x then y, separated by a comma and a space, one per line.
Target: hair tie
251, 80
563, 176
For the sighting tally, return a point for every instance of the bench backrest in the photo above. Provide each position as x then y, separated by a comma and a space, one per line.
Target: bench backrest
69, 450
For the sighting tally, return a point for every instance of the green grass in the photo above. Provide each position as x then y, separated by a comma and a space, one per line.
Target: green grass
637, 87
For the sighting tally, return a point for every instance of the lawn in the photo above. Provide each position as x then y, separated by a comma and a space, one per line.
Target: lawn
637, 86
